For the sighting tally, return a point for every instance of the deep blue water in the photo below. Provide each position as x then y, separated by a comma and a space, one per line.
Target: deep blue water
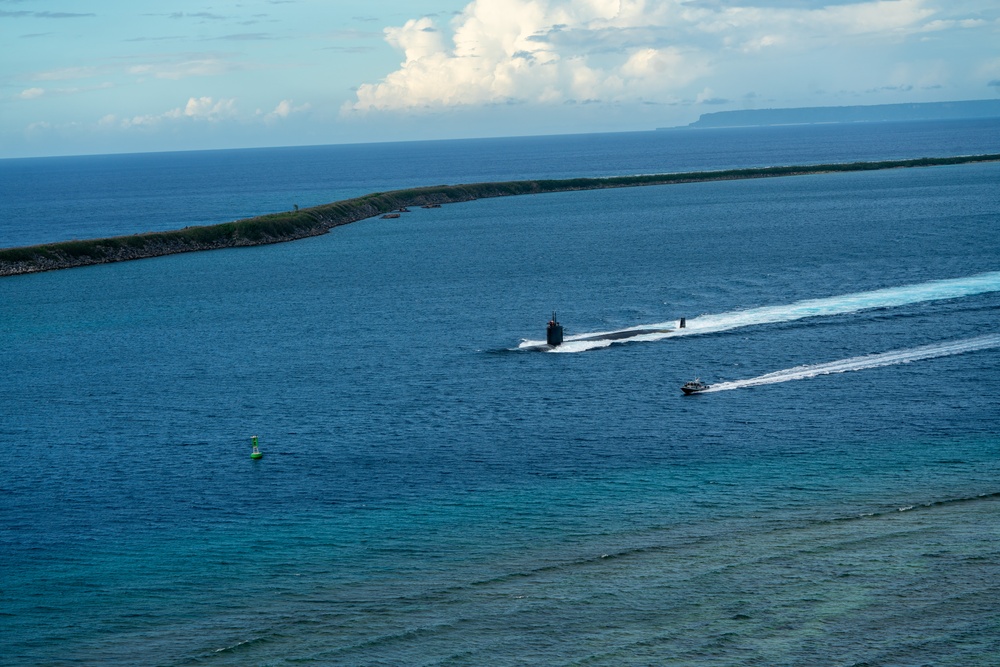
431, 494
57, 199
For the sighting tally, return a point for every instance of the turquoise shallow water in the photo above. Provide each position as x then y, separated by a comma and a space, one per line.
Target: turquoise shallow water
431, 494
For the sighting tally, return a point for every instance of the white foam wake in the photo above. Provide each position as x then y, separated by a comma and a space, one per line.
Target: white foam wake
891, 358
890, 297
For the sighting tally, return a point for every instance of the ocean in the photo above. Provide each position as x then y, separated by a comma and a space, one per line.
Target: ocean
434, 493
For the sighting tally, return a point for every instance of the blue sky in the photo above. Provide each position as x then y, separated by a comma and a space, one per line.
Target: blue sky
80, 77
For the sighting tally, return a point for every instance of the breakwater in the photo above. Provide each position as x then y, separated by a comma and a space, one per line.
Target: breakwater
292, 225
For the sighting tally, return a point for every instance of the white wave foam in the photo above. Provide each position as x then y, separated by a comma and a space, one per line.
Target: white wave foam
890, 297
891, 358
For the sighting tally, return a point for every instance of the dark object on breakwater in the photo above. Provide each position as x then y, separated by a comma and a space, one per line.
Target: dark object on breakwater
683, 323
293, 225
554, 332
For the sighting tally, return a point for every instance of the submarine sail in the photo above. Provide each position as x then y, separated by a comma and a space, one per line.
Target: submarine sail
554, 332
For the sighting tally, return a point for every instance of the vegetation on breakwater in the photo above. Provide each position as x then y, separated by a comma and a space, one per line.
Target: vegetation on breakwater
292, 225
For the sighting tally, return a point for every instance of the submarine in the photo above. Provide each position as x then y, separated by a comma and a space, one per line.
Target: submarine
555, 334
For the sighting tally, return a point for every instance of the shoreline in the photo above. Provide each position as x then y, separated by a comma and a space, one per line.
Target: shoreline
317, 220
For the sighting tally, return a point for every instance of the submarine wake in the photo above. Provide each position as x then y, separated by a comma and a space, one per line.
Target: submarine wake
890, 358
890, 297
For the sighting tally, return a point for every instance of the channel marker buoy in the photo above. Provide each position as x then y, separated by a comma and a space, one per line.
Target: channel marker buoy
256, 453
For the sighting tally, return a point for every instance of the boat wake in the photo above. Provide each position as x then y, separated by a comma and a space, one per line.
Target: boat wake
891, 358
891, 297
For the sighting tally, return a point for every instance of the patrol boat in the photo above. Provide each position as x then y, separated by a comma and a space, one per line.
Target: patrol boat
694, 386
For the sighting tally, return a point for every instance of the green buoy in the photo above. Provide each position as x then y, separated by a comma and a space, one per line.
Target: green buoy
255, 454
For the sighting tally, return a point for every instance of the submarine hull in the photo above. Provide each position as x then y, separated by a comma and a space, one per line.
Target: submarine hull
609, 336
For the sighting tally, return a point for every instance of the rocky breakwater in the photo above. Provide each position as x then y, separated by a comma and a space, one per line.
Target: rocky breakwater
261, 230
292, 225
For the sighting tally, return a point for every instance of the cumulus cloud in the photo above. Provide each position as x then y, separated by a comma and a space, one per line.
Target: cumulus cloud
197, 109
31, 93
284, 109
566, 51
205, 110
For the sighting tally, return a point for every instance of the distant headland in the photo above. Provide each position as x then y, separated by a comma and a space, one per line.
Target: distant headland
298, 224
877, 113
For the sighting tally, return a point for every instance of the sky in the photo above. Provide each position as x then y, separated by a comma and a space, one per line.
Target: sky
116, 76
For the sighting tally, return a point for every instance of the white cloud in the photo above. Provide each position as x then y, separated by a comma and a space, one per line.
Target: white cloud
284, 109
66, 74
140, 121
170, 66
196, 109
206, 108
40, 126
935, 26
882, 16
559, 51
668, 65
183, 69
33, 93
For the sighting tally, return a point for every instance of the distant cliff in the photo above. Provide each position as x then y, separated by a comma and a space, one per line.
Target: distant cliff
851, 114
